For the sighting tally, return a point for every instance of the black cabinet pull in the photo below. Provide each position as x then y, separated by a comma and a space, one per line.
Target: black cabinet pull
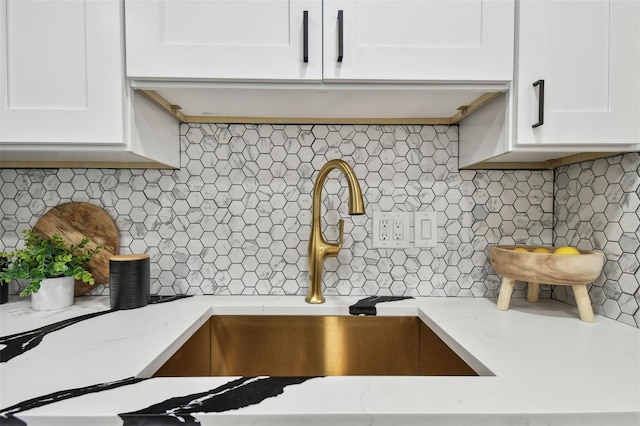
540, 103
305, 36
340, 36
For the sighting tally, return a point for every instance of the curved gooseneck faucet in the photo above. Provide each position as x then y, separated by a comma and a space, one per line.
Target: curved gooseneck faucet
319, 248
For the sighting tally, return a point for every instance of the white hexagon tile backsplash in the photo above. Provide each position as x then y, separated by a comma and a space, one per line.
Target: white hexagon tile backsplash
597, 207
236, 218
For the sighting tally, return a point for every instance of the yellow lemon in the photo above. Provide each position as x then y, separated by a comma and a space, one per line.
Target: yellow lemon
566, 250
521, 249
541, 250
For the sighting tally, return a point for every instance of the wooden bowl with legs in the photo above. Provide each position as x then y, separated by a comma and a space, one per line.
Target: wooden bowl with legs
546, 268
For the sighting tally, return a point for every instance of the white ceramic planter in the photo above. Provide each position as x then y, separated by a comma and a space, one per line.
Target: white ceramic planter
54, 293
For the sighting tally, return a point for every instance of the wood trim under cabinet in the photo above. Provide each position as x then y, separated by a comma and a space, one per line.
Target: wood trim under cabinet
578, 158
175, 112
81, 165
169, 108
464, 111
541, 165
316, 120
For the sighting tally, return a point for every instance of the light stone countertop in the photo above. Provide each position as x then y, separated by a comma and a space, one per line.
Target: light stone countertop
538, 365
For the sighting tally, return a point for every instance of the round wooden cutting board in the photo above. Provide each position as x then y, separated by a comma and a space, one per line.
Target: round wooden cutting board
76, 220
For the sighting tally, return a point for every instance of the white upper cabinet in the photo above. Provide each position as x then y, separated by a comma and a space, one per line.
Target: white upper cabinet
588, 55
434, 40
63, 95
264, 40
225, 39
576, 86
61, 72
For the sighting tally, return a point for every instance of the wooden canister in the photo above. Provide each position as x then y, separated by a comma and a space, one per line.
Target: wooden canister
129, 281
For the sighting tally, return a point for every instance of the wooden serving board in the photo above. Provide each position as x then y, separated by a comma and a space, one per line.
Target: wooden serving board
76, 220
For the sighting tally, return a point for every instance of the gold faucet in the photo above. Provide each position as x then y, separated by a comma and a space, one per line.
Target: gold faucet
319, 248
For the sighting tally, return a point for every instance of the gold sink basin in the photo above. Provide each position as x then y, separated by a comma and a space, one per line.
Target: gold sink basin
260, 345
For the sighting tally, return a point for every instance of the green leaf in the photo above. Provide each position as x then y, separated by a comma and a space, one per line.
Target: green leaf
44, 257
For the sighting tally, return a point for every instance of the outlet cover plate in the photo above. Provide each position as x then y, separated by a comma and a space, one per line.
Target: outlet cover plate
425, 227
397, 224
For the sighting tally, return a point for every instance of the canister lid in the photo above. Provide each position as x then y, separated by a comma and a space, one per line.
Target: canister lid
128, 257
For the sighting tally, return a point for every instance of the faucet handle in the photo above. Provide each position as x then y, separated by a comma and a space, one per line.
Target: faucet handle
331, 249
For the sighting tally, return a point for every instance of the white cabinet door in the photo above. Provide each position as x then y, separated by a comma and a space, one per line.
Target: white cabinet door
588, 54
258, 40
61, 71
421, 40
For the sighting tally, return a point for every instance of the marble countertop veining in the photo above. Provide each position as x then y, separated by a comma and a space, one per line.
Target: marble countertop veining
538, 365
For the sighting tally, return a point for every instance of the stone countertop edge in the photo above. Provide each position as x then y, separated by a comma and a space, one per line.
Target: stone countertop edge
539, 365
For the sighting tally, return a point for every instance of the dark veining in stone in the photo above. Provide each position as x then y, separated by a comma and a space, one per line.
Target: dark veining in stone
367, 306
19, 343
234, 395
7, 415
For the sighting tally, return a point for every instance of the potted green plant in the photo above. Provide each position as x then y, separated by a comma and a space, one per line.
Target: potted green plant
51, 266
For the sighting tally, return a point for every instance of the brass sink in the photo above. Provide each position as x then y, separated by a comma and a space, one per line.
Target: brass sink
284, 345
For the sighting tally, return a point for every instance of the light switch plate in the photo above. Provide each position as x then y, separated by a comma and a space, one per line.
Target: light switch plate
425, 227
391, 230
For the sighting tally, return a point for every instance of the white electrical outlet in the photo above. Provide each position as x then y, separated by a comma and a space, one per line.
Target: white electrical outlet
384, 230
398, 234
425, 228
391, 229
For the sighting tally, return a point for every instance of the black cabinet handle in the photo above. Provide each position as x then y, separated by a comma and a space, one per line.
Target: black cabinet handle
305, 36
540, 103
340, 36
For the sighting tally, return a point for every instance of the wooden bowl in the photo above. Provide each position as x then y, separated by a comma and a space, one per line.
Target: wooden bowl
543, 268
